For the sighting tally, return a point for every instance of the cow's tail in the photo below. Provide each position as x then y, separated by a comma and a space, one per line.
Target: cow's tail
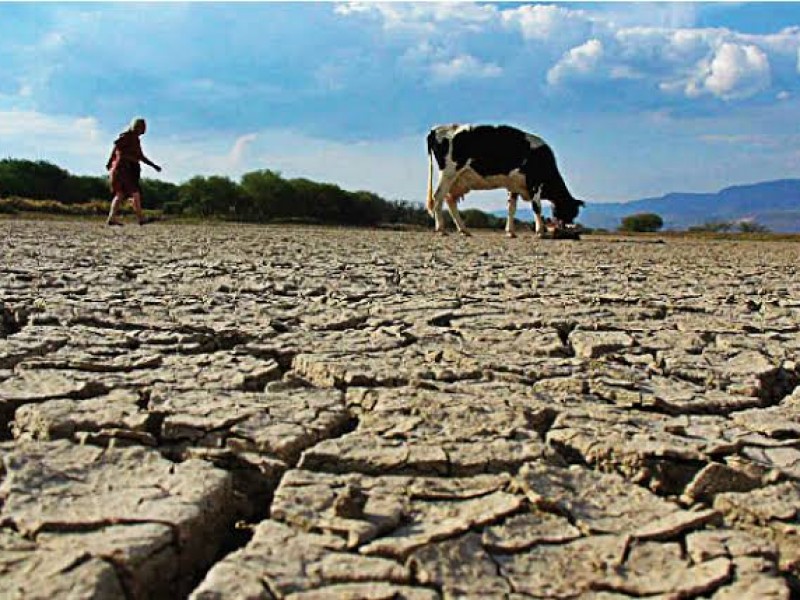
429, 200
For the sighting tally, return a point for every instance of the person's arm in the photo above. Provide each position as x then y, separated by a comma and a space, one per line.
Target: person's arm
143, 158
147, 161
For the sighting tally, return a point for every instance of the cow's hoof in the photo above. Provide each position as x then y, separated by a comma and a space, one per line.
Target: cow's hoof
440, 232
510, 235
465, 233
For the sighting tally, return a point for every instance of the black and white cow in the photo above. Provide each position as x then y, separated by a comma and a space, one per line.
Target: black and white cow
487, 157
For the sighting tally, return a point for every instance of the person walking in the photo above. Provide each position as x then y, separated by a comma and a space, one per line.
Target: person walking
124, 171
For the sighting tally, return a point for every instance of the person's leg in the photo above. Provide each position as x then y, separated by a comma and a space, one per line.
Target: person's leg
113, 218
137, 207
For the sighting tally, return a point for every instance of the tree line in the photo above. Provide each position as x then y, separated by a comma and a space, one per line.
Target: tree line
259, 196
651, 222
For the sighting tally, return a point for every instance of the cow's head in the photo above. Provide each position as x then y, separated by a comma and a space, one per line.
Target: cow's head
567, 209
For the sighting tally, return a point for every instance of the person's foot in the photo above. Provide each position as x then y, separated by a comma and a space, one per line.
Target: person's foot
114, 223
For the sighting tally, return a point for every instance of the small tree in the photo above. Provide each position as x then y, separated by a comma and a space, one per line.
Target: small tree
206, 196
642, 222
713, 227
752, 227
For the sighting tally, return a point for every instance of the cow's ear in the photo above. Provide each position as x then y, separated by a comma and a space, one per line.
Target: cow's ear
581, 203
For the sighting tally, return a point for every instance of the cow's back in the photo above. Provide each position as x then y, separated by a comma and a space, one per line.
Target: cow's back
493, 150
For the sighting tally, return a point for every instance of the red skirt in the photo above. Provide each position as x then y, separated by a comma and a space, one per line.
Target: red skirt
125, 178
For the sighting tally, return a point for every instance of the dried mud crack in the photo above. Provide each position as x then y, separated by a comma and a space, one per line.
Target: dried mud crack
288, 412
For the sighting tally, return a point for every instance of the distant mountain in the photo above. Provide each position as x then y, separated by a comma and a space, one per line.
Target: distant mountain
774, 204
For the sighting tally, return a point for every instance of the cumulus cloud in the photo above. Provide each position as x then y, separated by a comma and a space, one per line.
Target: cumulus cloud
734, 71
442, 65
656, 45
75, 142
425, 17
547, 22
694, 62
463, 66
37, 130
579, 61
437, 36
738, 71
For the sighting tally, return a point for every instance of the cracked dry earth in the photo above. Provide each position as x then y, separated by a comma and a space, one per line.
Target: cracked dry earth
286, 412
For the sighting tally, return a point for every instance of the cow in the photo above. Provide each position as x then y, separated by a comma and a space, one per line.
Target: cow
487, 157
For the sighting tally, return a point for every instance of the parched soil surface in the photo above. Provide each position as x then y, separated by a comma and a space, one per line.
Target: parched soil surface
288, 412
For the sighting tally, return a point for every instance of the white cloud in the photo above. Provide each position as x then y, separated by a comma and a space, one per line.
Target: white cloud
738, 71
785, 41
547, 22
658, 48
436, 35
16, 100
714, 62
686, 42
662, 15
53, 40
424, 17
625, 72
579, 61
470, 15
656, 44
39, 133
463, 66
443, 65
239, 148
734, 71
352, 8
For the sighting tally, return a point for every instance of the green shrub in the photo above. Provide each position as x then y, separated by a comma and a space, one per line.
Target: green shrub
15, 205
642, 222
477, 219
752, 227
712, 227
7, 207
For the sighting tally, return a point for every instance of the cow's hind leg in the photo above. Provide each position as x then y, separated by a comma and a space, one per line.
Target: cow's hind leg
452, 204
512, 212
441, 194
438, 217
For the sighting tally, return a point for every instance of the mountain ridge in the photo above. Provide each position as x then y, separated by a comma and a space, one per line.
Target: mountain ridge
774, 204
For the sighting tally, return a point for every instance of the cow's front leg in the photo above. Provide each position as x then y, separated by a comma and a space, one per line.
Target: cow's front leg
452, 204
512, 211
536, 205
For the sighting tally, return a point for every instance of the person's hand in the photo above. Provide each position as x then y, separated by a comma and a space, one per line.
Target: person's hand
157, 168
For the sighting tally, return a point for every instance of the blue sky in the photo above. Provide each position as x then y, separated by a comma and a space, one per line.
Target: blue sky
636, 99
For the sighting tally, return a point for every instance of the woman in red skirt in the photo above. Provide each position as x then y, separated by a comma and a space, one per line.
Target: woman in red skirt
124, 170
